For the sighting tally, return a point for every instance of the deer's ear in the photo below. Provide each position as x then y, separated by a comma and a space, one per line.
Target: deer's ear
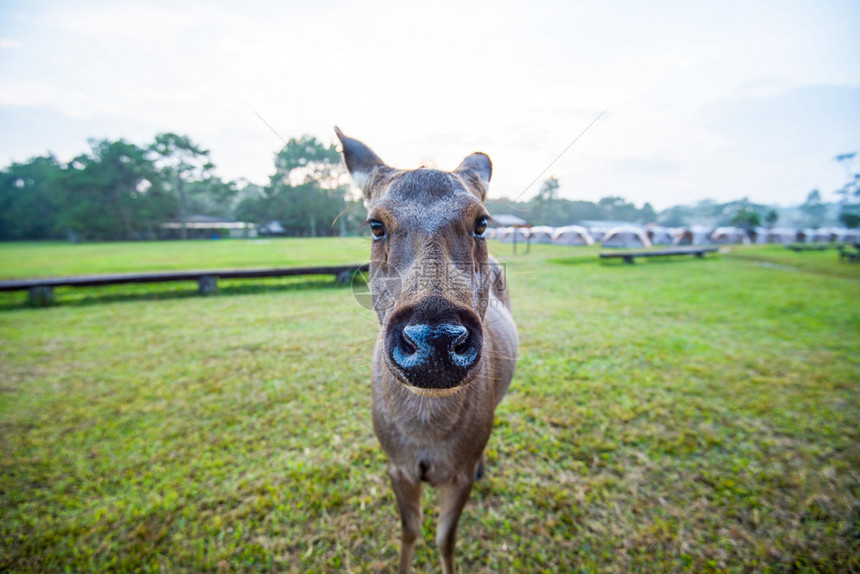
478, 168
360, 161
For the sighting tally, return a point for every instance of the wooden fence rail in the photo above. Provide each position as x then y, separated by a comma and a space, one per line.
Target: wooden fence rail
629, 255
41, 289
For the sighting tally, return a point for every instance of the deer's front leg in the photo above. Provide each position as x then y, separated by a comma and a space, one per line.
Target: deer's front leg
408, 493
453, 497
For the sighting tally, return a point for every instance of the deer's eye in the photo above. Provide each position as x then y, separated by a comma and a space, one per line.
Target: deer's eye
377, 229
480, 226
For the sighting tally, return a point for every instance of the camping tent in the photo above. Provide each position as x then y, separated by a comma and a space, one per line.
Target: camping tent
822, 235
508, 234
572, 235
696, 235
828, 234
626, 236
658, 235
781, 235
541, 234
724, 235
759, 235
598, 231
806, 235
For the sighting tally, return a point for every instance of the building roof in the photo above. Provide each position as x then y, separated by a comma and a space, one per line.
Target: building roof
506, 220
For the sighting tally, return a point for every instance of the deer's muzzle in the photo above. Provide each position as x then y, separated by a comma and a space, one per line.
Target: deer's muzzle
433, 345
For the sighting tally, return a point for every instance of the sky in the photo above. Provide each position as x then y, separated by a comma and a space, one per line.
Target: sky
700, 100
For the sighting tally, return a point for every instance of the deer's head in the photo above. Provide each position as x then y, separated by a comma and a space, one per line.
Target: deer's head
429, 274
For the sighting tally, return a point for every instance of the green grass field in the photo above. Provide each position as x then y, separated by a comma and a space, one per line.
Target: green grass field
675, 415
19, 260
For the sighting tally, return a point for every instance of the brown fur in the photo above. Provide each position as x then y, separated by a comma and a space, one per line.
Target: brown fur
431, 257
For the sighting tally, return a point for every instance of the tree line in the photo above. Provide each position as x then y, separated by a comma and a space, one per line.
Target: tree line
547, 208
123, 191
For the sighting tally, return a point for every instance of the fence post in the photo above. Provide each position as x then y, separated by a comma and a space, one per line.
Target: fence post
207, 284
345, 276
41, 295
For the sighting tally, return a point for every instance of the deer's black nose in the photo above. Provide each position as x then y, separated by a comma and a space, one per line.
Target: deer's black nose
434, 355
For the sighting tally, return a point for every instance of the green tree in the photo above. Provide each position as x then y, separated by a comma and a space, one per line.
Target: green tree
307, 159
545, 207
211, 196
849, 208
114, 193
182, 163
771, 218
618, 209
647, 214
813, 209
676, 216
549, 189
746, 218
31, 198
305, 193
579, 210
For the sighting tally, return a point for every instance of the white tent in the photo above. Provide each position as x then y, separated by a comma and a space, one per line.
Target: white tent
572, 235
597, 232
658, 235
837, 234
541, 234
824, 235
626, 236
696, 235
805, 235
507, 234
724, 235
759, 235
781, 235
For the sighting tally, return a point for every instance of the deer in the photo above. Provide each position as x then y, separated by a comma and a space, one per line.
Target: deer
447, 345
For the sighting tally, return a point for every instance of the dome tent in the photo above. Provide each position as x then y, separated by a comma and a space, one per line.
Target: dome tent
509, 234
696, 235
724, 235
572, 235
784, 235
658, 235
541, 234
626, 236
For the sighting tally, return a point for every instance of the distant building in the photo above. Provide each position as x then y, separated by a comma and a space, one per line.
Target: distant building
272, 228
506, 220
207, 227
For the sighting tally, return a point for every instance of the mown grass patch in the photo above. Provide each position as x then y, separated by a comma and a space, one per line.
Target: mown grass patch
55, 259
778, 257
50, 259
698, 415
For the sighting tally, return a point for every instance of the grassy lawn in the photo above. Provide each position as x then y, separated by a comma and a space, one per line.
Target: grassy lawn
44, 259
675, 415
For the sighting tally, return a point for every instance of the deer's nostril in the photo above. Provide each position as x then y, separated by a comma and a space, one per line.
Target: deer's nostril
464, 354
461, 344
408, 344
